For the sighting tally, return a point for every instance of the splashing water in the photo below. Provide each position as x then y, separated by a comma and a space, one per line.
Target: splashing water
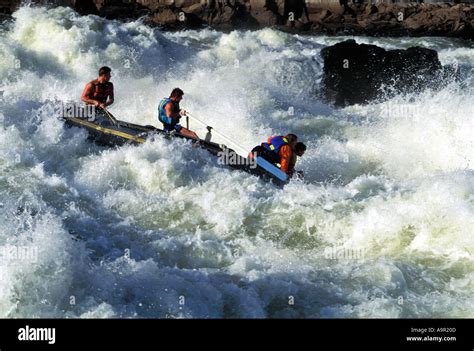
382, 227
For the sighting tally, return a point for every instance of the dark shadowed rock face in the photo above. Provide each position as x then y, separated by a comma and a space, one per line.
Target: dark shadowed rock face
360, 73
308, 16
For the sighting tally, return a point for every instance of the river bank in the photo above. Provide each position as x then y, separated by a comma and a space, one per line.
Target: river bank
330, 18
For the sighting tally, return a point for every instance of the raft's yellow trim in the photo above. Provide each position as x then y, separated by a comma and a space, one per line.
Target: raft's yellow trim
106, 130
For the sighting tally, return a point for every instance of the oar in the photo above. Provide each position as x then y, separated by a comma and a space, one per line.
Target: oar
110, 116
229, 140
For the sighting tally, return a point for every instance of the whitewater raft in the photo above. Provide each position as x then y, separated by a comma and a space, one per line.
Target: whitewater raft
106, 132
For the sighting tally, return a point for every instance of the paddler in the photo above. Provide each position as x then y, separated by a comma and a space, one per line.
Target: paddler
100, 91
281, 151
169, 113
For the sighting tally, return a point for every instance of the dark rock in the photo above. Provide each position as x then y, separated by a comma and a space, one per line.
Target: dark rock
370, 10
266, 18
174, 18
295, 10
230, 16
241, 18
356, 73
330, 18
117, 9
8, 6
265, 13
5, 11
166, 16
86, 7
196, 9
153, 5
324, 14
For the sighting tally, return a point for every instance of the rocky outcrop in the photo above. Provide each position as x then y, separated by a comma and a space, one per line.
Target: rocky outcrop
401, 20
8, 6
312, 16
360, 73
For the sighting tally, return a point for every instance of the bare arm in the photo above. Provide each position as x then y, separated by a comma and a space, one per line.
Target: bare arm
286, 155
169, 111
111, 97
85, 97
291, 165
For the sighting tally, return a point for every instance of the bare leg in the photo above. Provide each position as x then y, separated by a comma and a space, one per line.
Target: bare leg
188, 133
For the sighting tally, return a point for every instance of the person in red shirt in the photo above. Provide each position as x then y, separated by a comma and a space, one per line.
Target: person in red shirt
99, 92
283, 147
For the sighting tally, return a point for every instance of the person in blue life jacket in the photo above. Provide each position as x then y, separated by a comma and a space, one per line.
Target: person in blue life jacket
169, 113
280, 151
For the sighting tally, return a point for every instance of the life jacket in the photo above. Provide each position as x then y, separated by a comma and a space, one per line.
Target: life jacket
162, 117
102, 91
275, 143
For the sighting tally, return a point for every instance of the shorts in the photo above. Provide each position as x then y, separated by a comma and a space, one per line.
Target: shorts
268, 155
170, 127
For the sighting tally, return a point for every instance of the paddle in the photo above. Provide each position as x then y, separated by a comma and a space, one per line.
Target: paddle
229, 140
110, 116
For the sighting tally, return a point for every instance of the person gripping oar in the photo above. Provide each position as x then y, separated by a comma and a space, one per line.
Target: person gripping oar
169, 113
100, 93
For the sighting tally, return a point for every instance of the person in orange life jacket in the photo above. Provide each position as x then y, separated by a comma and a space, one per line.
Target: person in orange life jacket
169, 113
278, 150
99, 92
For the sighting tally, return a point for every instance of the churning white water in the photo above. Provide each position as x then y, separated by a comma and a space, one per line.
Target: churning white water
382, 226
